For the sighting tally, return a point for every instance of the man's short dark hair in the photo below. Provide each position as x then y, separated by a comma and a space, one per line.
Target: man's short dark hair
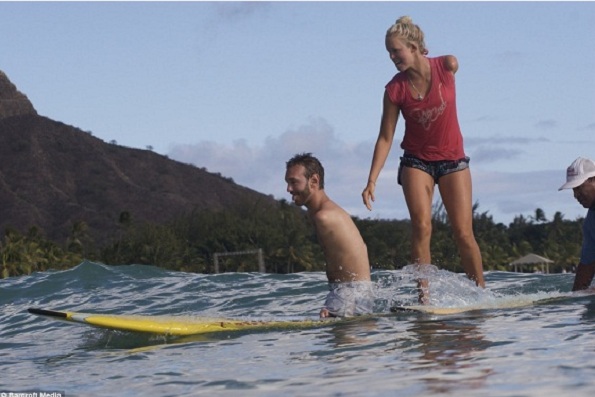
310, 163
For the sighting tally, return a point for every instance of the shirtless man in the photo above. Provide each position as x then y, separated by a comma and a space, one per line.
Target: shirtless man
347, 266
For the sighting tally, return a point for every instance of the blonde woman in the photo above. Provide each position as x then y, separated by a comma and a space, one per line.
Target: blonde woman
424, 92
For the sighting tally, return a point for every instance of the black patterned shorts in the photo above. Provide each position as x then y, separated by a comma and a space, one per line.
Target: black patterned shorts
436, 169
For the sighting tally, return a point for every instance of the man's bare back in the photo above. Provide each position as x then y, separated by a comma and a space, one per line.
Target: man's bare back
344, 249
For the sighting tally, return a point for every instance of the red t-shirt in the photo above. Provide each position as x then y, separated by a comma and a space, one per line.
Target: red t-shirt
432, 131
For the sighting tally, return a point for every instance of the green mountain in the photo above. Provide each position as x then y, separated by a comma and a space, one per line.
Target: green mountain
53, 175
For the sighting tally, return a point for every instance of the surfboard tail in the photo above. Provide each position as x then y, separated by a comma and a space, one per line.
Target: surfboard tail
48, 313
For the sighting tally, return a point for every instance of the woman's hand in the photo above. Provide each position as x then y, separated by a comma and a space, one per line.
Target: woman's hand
368, 194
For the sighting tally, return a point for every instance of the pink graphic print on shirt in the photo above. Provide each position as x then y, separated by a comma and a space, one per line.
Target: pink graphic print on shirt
426, 117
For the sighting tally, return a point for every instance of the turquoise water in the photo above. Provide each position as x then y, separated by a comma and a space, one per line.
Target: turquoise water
534, 350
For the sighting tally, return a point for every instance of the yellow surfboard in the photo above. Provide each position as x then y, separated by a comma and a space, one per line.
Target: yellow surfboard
195, 325
174, 325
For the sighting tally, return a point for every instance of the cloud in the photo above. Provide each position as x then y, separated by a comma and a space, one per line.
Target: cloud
487, 154
508, 59
263, 167
224, 18
503, 195
484, 119
508, 194
546, 124
232, 11
503, 140
495, 148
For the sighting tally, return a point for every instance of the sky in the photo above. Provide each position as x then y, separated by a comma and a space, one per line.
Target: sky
240, 87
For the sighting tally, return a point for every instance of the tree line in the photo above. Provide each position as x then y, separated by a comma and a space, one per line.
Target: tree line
287, 241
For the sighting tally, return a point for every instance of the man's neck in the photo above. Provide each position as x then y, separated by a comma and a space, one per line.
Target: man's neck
317, 200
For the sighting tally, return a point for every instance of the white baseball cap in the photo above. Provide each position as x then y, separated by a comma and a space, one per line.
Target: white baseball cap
579, 171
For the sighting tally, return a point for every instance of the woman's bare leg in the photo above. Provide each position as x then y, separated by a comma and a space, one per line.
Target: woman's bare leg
418, 188
455, 189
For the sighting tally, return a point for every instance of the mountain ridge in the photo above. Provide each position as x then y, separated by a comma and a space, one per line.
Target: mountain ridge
53, 175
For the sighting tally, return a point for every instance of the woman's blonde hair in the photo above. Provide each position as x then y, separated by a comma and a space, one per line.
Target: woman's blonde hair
406, 29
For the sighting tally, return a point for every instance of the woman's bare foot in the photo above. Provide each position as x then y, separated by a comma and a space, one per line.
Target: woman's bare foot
423, 290
324, 313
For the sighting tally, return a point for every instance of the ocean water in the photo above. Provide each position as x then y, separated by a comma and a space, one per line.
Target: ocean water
541, 349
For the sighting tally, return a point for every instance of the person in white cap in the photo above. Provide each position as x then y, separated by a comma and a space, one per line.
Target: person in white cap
580, 177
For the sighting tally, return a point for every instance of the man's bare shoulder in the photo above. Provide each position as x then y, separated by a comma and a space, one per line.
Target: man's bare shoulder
330, 211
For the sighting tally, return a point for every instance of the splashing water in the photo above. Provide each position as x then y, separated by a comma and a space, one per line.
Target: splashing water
448, 290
